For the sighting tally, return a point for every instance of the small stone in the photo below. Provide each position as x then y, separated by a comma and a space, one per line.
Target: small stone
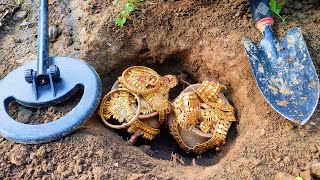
19, 15
283, 176
54, 33
24, 115
32, 155
116, 164
18, 155
262, 132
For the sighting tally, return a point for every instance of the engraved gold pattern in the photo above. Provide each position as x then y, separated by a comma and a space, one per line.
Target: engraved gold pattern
152, 91
140, 80
204, 109
147, 131
117, 104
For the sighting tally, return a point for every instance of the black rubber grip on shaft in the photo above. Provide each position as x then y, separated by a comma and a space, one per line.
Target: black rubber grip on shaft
259, 9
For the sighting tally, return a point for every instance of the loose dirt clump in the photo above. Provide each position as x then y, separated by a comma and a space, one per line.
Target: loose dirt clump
199, 38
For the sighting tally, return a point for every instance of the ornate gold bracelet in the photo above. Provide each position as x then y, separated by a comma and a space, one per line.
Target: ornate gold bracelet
211, 114
144, 92
140, 80
117, 104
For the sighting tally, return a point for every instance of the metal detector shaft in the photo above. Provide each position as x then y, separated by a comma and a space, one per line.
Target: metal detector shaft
43, 44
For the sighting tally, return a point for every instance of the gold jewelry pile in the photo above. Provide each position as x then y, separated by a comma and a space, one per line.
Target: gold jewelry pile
202, 117
199, 117
139, 101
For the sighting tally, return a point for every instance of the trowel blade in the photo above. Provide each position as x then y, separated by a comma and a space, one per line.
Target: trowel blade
285, 74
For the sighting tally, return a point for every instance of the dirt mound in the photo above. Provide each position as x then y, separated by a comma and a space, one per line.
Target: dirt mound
198, 38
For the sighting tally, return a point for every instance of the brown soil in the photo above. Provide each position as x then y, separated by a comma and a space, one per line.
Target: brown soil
198, 38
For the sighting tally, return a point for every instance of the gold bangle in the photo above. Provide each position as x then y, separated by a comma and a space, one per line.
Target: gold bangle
146, 131
218, 138
140, 80
105, 115
211, 113
209, 91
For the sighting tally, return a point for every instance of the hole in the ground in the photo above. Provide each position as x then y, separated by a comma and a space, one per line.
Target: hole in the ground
164, 144
28, 115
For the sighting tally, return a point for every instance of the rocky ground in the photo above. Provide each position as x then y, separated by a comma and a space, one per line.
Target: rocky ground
199, 38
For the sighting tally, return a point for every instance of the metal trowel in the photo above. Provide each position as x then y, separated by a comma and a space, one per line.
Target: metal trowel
43, 83
283, 70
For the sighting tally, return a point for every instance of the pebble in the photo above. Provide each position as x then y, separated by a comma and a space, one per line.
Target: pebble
32, 155
19, 15
116, 164
18, 155
54, 33
24, 115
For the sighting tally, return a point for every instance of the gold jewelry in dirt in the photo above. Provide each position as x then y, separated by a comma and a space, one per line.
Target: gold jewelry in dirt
119, 104
209, 91
167, 82
151, 90
186, 107
140, 80
146, 107
216, 140
201, 107
158, 101
146, 131
159, 98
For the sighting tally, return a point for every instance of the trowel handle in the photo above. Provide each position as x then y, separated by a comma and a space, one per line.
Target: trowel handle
261, 12
43, 44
